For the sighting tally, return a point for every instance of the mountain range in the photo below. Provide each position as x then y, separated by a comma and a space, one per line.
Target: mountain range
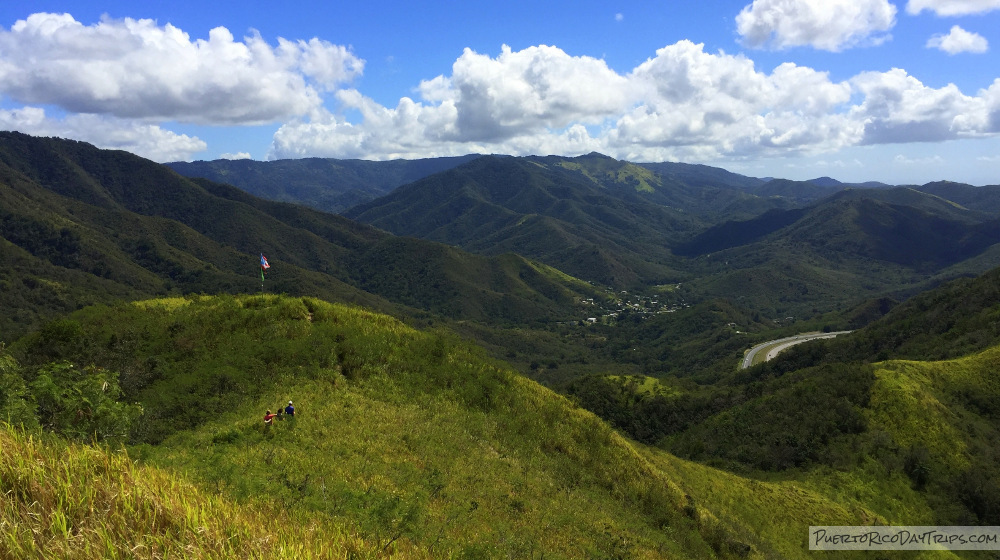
630, 225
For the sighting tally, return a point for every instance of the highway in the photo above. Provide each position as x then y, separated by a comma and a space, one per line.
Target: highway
773, 347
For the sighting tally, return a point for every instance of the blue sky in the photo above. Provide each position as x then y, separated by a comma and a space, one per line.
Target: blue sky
901, 91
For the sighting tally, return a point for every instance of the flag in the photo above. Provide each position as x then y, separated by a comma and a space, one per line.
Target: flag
263, 262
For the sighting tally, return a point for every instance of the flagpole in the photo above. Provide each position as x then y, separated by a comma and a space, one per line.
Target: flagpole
263, 268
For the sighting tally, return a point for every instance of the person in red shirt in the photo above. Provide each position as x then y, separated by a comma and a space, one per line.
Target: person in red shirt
269, 418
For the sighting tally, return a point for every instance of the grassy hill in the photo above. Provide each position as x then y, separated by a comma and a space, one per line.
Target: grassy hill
405, 435
76, 501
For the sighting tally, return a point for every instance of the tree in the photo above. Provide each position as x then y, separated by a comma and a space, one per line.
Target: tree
82, 403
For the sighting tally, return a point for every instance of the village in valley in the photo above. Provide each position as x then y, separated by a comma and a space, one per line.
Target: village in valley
620, 304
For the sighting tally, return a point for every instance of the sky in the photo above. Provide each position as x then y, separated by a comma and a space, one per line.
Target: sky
903, 92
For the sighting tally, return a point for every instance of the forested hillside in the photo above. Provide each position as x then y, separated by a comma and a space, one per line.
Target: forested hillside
81, 225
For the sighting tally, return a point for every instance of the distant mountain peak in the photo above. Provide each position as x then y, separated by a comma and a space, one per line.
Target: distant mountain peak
825, 182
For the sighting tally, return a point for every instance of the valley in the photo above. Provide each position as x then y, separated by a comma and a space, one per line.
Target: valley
490, 356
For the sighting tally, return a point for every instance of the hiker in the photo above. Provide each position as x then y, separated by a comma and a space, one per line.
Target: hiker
268, 418
290, 410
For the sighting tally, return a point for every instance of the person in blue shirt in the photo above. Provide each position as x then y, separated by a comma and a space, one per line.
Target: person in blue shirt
290, 410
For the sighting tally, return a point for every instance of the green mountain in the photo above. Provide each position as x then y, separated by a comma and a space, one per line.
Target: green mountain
570, 213
330, 185
953, 320
857, 244
624, 225
81, 225
695, 175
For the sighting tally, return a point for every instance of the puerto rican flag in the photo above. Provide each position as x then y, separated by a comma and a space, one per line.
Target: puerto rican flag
263, 262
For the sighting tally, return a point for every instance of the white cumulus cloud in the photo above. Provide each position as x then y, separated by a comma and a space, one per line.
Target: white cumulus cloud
952, 7
138, 69
830, 25
514, 102
898, 108
959, 40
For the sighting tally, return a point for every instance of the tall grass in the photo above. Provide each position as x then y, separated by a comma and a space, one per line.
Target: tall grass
73, 501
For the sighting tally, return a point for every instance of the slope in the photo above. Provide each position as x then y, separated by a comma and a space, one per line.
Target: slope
983, 199
857, 244
955, 319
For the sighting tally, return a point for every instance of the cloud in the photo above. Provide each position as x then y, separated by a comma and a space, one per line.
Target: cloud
952, 7
146, 140
515, 101
239, 155
957, 41
619, 16
898, 108
682, 104
830, 25
137, 69
532, 89
719, 101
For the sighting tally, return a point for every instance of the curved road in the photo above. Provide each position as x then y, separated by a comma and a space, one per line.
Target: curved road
775, 346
